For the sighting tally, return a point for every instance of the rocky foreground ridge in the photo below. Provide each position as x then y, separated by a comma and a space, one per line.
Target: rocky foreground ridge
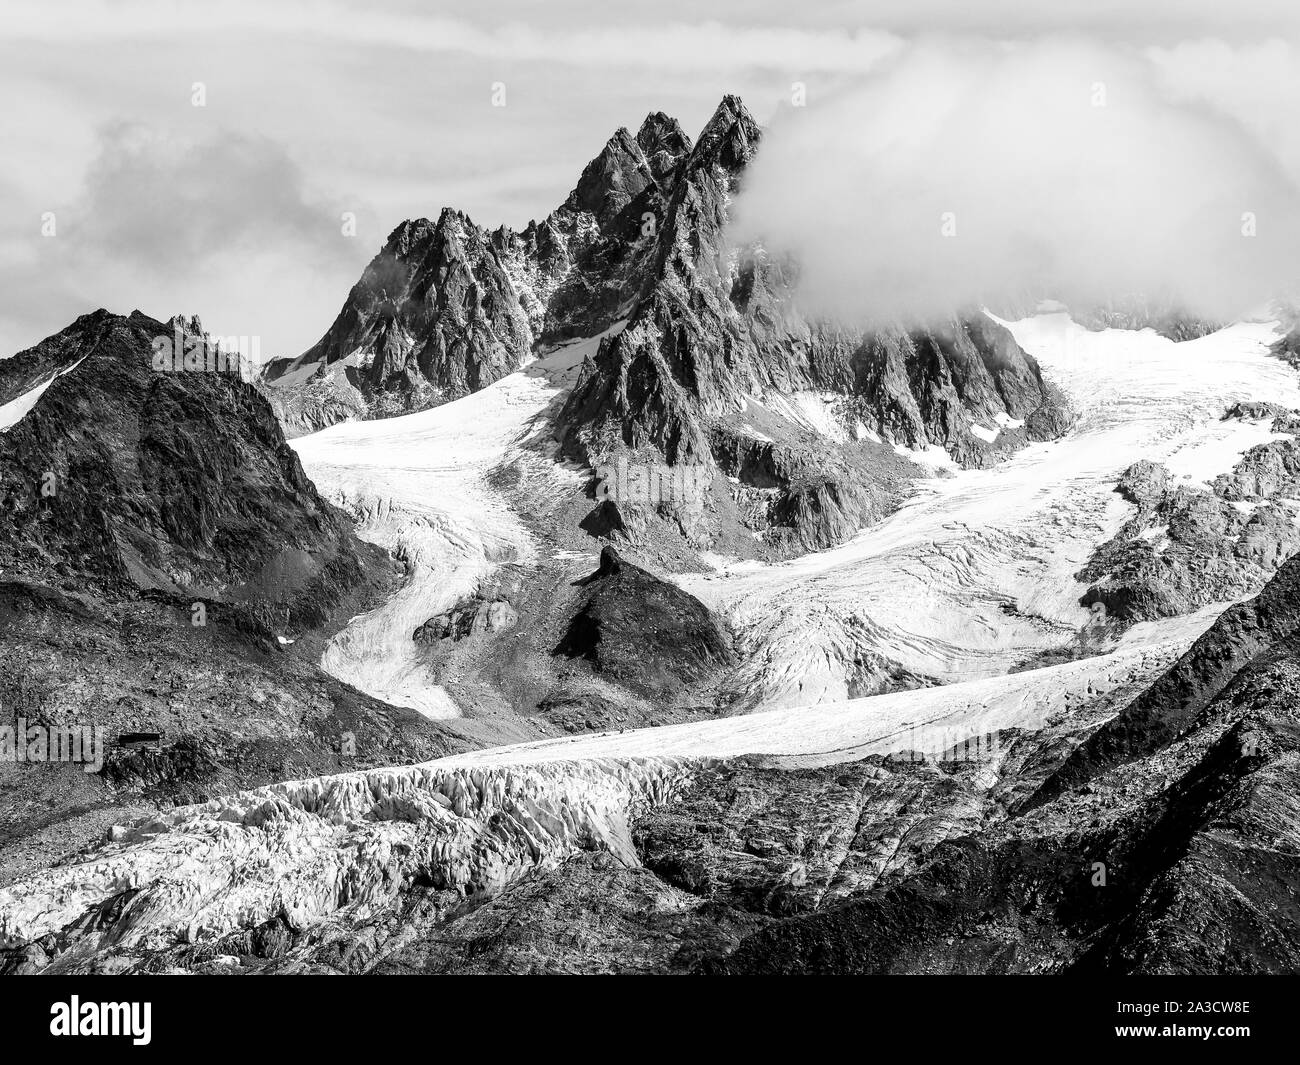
1145, 832
170, 571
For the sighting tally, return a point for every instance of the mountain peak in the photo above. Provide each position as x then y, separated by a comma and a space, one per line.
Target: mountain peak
729, 137
664, 143
408, 234
618, 174
661, 132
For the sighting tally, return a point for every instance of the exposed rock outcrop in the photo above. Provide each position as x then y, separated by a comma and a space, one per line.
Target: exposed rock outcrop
643, 631
169, 569
1187, 546
470, 617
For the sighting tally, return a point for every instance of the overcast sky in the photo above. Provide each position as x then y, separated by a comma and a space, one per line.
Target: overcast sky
233, 210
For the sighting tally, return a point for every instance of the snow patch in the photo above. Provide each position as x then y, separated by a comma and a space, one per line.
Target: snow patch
933, 459
814, 411
16, 410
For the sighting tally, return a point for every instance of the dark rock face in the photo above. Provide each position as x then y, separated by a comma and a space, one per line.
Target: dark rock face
130, 479
158, 534
644, 632
1169, 320
719, 326
926, 386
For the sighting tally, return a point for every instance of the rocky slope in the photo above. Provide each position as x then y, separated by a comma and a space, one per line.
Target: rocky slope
1163, 842
1189, 545
795, 421
169, 570
448, 307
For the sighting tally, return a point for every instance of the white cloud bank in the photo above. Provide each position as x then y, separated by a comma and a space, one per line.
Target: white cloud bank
1056, 167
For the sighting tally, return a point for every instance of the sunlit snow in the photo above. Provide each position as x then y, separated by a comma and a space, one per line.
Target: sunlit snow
416, 485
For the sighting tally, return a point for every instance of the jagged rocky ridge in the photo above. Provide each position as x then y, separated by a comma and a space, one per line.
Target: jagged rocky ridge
1167, 317
792, 418
447, 307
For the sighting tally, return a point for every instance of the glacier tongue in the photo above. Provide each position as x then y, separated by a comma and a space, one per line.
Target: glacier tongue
312, 849
304, 850
416, 486
344, 846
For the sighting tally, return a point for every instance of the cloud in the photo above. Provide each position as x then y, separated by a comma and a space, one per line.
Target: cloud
972, 172
168, 203
670, 45
231, 210
1255, 84
223, 225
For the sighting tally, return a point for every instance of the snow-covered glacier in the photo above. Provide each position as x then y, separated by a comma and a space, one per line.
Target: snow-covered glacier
929, 588
974, 575
416, 485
